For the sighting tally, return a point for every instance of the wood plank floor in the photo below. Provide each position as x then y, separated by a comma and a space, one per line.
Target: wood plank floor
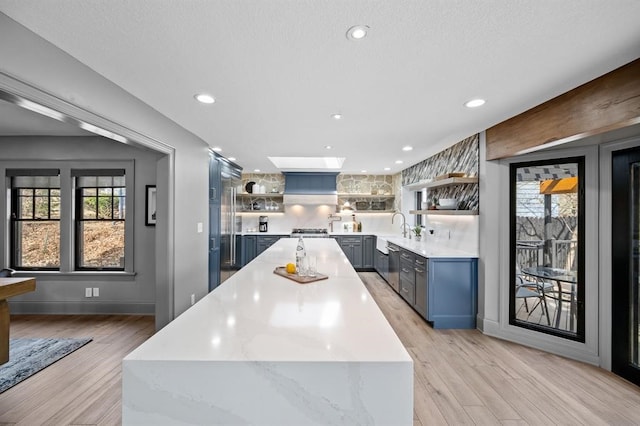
461, 376
464, 377
83, 388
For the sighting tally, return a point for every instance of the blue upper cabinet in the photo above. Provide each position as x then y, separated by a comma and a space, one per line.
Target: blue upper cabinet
310, 182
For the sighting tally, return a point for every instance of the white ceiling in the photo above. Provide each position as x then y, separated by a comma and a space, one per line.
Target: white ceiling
280, 68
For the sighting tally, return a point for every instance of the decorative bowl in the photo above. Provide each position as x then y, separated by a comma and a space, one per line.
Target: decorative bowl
448, 202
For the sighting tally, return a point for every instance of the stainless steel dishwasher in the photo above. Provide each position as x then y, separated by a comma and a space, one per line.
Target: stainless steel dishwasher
394, 267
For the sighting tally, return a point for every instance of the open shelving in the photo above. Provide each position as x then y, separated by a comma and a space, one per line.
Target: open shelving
446, 212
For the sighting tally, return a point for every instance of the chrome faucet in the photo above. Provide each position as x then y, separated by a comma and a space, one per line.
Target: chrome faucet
404, 222
333, 218
404, 228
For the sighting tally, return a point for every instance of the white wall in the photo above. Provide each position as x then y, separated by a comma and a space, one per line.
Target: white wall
64, 293
50, 72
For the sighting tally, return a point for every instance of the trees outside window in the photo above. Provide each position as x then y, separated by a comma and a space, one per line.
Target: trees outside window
35, 219
100, 220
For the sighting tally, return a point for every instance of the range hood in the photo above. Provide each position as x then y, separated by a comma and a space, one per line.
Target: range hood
310, 188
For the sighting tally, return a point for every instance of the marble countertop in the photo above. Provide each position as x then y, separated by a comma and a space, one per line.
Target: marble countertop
429, 248
257, 315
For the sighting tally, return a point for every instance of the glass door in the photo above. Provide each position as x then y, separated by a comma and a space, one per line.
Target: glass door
626, 264
547, 247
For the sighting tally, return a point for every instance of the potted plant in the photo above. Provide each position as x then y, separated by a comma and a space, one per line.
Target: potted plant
418, 231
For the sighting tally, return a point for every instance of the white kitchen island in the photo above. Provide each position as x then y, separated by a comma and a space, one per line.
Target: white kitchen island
263, 349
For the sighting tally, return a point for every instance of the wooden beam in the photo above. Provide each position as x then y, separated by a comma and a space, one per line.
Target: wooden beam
607, 103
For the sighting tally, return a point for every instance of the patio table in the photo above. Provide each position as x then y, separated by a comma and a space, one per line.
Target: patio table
559, 277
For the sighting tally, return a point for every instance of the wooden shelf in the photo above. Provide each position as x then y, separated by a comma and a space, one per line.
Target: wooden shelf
441, 183
446, 212
350, 195
265, 195
365, 211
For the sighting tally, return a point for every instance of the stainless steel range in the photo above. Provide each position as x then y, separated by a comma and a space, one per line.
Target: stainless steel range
309, 233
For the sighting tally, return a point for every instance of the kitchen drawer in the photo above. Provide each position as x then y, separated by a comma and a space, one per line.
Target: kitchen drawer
421, 262
407, 273
351, 240
408, 291
407, 255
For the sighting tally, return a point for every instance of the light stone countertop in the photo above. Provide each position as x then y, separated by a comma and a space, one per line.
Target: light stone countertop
328, 320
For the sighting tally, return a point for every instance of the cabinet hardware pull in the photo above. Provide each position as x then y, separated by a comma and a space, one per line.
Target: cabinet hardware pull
420, 271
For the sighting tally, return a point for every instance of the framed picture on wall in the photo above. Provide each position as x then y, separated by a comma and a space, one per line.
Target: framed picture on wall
150, 206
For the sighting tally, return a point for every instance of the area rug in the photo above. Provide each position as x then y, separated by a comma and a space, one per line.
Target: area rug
28, 356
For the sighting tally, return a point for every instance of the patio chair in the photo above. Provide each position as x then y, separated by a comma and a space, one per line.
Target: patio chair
526, 289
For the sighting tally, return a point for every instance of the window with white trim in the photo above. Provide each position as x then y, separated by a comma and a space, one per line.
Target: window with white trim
100, 214
35, 219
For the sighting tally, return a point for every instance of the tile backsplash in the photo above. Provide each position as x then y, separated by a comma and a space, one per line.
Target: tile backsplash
462, 157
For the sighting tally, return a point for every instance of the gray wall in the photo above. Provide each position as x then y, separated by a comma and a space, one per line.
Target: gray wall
64, 293
47, 71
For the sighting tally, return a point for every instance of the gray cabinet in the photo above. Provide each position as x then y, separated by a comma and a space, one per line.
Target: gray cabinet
266, 241
359, 249
368, 251
420, 268
407, 277
351, 245
253, 245
381, 264
249, 248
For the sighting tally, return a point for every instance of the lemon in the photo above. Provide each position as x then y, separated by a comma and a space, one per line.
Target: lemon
291, 268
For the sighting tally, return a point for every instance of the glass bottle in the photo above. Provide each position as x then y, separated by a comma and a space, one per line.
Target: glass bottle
301, 255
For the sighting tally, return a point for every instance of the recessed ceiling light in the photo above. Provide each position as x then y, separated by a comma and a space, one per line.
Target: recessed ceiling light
398, 161
363, 171
328, 147
387, 168
204, 98
336, 116
357, 32
407, 148
474, 103
256, 170
217, 149
231, 158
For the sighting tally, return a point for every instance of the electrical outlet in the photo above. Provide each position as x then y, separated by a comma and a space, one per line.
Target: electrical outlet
193, 299
87, 292
96, 292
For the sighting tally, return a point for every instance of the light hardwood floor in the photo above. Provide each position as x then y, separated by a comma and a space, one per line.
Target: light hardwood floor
83, 388
461, 376
464, 377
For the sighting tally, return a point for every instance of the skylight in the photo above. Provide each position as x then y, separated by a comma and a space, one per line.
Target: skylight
307, 163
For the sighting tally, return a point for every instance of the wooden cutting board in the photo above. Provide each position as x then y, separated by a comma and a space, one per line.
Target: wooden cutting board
281, 270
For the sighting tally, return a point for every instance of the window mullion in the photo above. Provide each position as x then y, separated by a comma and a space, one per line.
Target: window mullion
67, 230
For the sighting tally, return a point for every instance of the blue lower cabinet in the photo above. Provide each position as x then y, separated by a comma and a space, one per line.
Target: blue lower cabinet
266, 241
249, 248
452, 288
